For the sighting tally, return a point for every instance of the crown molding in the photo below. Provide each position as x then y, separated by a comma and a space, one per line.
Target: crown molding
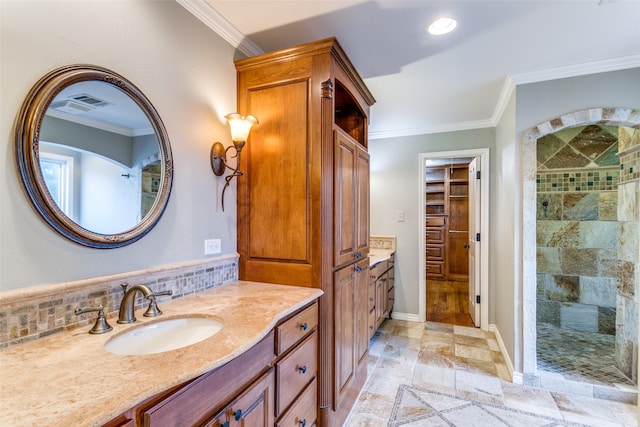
510, 82
505, 95
212, 19
576, 70
451, 127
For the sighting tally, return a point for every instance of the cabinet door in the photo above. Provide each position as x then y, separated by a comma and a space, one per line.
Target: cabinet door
458, 256
381, 296
362, 180
254, 407
344, 327
345, 190
391, 290
362, 305
220, 420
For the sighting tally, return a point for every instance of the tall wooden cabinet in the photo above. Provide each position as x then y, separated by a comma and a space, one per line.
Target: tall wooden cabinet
447, 222
303, 201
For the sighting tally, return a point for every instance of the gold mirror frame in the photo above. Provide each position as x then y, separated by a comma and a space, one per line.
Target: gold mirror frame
27, 132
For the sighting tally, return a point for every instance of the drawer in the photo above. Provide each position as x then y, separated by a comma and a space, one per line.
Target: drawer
435, 235
377, 270
435, 221
435, 268
372, 296
435, 253
294, 329
295, 371
304, 411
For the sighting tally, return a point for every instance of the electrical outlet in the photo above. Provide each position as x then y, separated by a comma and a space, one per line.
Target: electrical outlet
400, 216
212, 246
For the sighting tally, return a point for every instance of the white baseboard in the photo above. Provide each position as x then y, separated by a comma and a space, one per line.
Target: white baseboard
516, 377
405, 316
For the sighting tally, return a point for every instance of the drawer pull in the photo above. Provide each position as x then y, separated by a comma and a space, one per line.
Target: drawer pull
237, 414
303, 369
303, 422
304, 326
224, 424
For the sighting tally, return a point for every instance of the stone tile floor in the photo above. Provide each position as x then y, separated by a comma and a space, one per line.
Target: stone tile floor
578, 356
465, 363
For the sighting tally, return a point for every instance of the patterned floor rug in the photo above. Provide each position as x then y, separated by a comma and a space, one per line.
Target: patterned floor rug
419, 407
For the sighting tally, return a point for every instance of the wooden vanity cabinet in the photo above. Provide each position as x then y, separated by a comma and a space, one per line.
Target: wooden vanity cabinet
391, 286
259, 388
381, 293
303, 198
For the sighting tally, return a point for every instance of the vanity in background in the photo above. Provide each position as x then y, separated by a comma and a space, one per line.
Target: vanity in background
381, 294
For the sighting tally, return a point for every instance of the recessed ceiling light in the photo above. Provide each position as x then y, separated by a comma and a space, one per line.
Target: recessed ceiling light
442, 26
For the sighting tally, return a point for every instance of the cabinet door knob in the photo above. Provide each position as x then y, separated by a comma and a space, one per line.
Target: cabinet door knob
224, 424
304, 326
237, 414
303, 422
303, 369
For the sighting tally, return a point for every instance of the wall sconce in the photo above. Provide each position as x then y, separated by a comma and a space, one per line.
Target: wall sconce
240, 127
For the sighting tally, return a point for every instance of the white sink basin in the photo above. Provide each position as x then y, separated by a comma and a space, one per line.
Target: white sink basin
163, 335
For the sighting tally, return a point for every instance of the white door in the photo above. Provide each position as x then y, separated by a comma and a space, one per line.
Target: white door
474, 243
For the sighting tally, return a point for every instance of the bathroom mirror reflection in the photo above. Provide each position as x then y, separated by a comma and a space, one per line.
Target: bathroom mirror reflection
94, 156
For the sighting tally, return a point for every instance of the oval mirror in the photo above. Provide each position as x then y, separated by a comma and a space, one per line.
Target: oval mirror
94, 156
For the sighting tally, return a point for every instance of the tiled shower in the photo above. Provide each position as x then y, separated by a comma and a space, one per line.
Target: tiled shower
585, 324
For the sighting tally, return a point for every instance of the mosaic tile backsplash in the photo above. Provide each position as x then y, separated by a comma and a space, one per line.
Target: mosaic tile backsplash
582, 180
46, 310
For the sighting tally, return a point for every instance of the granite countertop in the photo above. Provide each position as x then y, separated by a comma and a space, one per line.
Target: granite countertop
379, 255
69, 379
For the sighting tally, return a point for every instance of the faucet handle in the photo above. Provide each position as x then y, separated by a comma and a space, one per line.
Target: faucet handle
101, 326
153, 309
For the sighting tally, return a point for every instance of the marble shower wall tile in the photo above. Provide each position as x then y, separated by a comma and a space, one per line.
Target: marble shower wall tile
629, 201
608, 207
562, 234
580, 206
577, 229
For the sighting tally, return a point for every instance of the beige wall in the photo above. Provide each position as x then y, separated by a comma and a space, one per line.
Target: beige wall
187, 73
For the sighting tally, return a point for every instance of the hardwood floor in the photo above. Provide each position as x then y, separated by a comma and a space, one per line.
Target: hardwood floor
447, 302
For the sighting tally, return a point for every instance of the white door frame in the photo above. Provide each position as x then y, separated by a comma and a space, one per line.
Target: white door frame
483, 154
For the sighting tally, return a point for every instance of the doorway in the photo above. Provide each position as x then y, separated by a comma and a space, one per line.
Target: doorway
479, 274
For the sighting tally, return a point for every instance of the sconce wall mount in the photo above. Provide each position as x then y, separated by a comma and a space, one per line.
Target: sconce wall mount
240, 127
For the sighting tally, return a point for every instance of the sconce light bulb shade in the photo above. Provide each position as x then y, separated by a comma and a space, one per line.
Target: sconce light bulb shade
240, 126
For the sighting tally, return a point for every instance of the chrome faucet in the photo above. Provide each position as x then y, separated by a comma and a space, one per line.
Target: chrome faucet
128, 301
